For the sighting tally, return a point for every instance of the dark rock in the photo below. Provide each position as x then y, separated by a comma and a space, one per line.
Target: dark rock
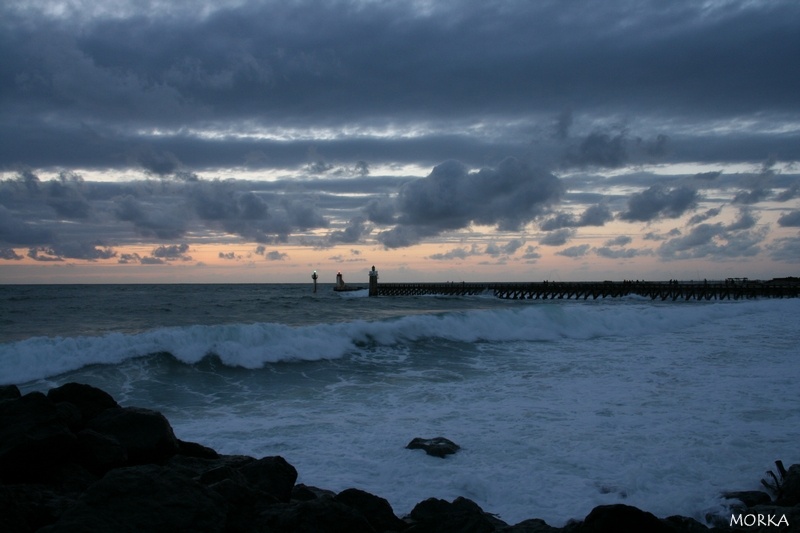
533, 525
33, 438
461, 516
146, 435
376, 510
790, 487
221, 473
749, 498
89, 400
193, 449
321, 515
9, 392
620, 518
272, 475
437, 446
301, 492
682, 524
25, 508
100, 453
144, 498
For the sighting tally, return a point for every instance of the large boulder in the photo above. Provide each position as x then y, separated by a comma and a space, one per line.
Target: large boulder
89, 400
461, 516
321, 515
272, 475
33, 438
620, 518
437, 446
144, 498
376, 510
146, 435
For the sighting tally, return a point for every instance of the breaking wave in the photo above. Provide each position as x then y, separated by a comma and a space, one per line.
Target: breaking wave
253, 346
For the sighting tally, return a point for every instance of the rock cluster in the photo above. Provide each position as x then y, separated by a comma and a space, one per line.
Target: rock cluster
73, 460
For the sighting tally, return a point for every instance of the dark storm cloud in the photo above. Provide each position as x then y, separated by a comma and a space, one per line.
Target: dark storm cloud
791, 220
716, 241
172, 252
83, 90
19, 232
354, 232
660, 201
452, 197
595, 215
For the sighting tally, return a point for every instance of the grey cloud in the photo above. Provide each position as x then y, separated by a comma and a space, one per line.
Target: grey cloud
557, 237
746, 220
380, 211
575, 251
80, 250
791, 219
172, 252
451, 197
791, 192
275, 255
619, 253
786, 249
507, 249
456, 253
600, 149
44, 254
163, 221
531, 254
620, 240
16, 231
713, 240
702, 217
9, 254
708, 176
355, 230
595, 215
660, 201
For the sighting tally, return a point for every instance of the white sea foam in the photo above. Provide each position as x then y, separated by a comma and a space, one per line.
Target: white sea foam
254, 345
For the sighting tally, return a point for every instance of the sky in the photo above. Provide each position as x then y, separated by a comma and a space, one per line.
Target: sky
162, 141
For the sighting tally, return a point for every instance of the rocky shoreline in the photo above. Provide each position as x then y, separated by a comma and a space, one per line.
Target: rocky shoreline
74, 460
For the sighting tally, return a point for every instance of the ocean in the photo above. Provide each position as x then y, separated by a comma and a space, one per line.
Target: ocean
558, 405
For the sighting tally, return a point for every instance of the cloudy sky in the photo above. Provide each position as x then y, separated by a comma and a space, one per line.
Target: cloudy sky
243, 140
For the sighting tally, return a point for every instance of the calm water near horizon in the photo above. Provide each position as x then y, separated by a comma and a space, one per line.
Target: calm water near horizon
558, 405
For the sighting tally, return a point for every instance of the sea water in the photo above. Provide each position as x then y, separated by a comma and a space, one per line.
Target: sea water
558, 405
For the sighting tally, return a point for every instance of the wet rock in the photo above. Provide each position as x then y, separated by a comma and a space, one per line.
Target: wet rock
620, 518
89, 400
33, 438
272, 475
9, 392
376, 510
144, 498
146, 435
321, 515
437, 446
461, 516
100, 453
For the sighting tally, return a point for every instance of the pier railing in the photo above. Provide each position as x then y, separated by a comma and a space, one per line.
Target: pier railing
548, 290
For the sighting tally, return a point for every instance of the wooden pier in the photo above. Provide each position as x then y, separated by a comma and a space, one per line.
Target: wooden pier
731, 289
